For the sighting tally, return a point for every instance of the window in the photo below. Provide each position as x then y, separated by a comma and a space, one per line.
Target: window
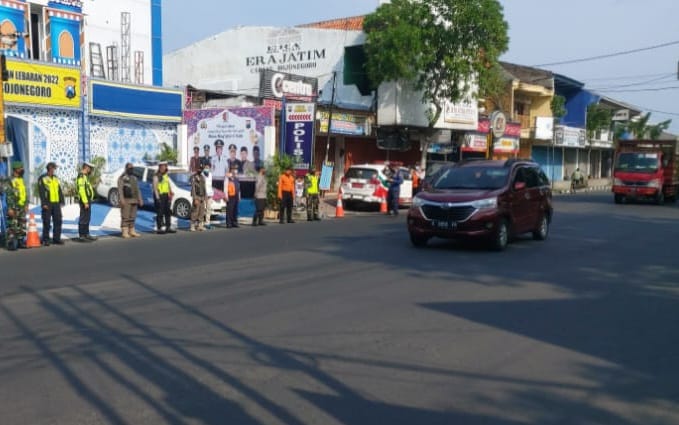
543, 179
361, 173
532, 178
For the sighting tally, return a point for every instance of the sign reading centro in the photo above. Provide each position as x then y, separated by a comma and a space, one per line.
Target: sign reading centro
38, 84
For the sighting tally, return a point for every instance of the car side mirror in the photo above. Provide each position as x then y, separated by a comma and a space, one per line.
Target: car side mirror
519, 186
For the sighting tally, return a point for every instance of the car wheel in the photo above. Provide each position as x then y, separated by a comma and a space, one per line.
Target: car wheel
113, 198
540, 234
182, 209
418, 240
619, 199
499, 243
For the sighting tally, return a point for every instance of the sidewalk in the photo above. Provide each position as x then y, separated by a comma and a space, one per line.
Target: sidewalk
563, 187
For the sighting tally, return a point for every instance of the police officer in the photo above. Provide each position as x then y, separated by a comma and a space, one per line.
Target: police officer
86, 196
16, 208
261, 186
206, 160
51, 200
312, 195
220, 166
162, 196
233, 194
199, 195
130, 201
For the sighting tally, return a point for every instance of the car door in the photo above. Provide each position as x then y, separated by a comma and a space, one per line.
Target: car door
520, 203
146, 185
406, 190
535, 196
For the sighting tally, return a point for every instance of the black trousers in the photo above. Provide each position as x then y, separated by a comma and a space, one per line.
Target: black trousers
260, 205
51, 215
286, 207
84, 220
163, 213
232, 213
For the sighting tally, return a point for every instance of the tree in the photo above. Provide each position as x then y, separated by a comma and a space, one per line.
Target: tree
598, 118
558, 107
641, 129
443, 47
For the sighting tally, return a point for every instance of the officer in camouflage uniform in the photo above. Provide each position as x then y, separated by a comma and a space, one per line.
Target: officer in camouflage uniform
16, 209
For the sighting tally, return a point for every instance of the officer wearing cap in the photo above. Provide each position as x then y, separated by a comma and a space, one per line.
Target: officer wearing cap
86, 196
311, 187
51, 200
16, 208
206, 159
234, 162
233, 197
195, 164
220, 166
162, 197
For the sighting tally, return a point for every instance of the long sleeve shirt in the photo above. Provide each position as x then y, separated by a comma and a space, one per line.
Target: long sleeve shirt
286, 184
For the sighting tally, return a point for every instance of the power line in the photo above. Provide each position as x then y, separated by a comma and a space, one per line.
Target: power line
657, 80
624, 77
641, 90
609, 55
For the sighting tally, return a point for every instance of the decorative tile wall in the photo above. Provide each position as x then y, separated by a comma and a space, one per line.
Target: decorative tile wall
121, 141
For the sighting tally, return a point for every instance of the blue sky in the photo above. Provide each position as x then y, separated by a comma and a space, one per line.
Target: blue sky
541, 32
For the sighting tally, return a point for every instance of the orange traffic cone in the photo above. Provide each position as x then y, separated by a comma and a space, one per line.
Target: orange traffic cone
32, 237
383, 205
339, 211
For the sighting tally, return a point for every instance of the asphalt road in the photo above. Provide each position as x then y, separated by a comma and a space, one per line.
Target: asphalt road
343, 322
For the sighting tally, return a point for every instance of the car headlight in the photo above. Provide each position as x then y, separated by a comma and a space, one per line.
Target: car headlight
656, 183
418, 202
618, 182
485, 203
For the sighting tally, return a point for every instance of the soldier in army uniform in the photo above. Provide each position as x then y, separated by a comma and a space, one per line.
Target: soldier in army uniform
16, 208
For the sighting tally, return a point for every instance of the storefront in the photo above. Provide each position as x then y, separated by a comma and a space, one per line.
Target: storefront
573, 144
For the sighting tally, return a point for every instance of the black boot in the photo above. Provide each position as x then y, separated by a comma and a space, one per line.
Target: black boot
254, 221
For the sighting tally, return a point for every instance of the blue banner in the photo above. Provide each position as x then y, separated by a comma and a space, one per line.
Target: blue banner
299, 133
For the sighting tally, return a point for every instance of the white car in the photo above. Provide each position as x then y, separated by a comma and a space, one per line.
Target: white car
179, 181
360, 184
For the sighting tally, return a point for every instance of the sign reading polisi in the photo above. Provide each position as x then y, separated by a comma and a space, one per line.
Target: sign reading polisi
299, 133
277, 85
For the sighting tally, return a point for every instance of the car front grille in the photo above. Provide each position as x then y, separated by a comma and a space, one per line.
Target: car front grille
437, 212
628, 183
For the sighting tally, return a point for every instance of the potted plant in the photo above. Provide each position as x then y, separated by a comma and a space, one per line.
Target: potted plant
278, 164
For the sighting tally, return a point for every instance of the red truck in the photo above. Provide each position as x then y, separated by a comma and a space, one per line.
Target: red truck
646, 169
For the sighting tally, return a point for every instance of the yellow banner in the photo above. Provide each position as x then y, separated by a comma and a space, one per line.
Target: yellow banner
39, 84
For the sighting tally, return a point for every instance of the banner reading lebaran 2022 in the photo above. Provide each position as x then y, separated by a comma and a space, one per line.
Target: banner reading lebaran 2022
299, 133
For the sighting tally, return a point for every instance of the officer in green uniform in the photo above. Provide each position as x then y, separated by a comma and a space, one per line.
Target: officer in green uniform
86, 196
16, 208
312, 195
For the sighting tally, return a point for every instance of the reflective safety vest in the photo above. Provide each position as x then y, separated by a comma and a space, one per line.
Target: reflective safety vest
312, 185
19, 190
232, 188
85, 192
163, 184
51, 185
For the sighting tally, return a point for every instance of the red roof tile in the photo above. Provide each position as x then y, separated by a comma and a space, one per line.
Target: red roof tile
354, 23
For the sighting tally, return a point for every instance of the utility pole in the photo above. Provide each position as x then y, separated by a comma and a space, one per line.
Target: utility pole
3, 139
332, 102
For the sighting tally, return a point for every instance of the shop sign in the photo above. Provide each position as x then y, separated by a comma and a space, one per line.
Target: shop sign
342, 123
570, 136
475, 142
460, 113
299, 133
506, 144
498, 123
279, 85
544, 128
37, 84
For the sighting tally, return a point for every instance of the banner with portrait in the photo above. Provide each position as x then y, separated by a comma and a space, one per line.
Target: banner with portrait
229, 136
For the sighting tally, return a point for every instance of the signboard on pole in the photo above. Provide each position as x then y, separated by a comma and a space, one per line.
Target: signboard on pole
299, 133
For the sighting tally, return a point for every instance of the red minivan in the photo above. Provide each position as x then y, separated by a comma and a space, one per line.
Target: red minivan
487, 199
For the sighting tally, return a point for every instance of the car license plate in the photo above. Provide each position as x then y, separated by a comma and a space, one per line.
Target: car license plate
357, 185
444, 224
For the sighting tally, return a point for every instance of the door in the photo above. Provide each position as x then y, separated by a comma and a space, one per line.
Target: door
520, 207
145, 178
536, 195
406, 191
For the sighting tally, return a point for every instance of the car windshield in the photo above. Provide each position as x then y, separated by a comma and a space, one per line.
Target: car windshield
361, 173
181, 178
637, 162
484, 178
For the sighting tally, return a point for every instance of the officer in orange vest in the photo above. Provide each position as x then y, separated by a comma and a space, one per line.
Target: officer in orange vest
232, 187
